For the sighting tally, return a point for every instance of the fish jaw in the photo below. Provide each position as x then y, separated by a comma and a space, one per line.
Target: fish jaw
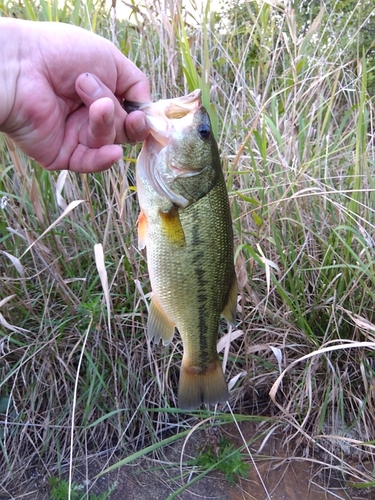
153, 168
170, 116
163, 114
171, 108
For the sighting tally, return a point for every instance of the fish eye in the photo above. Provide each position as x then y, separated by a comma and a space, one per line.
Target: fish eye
204, 130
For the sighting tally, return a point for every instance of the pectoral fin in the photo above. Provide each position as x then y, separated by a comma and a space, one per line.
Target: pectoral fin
159, 325
229, 311
171, 226
142, 230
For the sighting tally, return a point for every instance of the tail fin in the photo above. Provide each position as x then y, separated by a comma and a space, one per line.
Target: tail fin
197, 387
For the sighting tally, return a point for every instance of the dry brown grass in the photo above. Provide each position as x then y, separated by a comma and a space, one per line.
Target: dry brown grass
295, 130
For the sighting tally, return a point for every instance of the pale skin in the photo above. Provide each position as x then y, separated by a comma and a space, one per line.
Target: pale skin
61, 94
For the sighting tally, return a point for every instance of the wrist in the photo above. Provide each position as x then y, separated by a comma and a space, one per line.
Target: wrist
10, 65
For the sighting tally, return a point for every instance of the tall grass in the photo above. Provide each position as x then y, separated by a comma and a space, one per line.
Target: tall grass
295, 126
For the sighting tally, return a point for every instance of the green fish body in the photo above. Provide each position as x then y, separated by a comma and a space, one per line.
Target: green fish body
185, 225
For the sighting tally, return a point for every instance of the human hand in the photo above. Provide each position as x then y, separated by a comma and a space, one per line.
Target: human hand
64, 88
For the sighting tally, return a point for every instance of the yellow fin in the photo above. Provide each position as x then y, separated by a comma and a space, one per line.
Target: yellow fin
159, 325
171, 225
229, 311
198, 387
142, 230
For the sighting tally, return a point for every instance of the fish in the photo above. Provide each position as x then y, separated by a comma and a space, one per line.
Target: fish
186, 228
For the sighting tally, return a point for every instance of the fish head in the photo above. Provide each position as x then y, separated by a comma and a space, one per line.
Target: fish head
181, 155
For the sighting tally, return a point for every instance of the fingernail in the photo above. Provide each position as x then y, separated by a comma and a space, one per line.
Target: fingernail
90, 85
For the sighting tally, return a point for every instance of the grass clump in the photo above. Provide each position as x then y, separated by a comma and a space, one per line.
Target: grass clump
294, 113
225, 458
61, 489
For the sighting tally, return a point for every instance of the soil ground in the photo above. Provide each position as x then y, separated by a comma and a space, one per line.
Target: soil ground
284, 478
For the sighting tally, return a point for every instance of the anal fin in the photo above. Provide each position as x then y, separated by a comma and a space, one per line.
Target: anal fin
159, 326
230, 308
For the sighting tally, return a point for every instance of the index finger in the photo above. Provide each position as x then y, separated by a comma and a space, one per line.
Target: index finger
132, 83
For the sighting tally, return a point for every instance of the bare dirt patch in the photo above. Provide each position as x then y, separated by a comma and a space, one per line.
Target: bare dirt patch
284, 477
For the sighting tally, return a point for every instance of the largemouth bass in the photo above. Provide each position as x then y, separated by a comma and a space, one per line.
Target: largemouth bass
186, 227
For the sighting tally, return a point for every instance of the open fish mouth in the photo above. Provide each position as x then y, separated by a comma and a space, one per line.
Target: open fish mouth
181, 106
169, 108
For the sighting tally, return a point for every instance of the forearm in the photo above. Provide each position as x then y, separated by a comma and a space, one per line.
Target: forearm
11, 32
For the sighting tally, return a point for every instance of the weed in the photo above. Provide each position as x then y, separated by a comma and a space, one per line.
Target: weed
60, 491
225, 458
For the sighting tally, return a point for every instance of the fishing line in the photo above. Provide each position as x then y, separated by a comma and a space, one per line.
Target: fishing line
74, 406
248, 451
